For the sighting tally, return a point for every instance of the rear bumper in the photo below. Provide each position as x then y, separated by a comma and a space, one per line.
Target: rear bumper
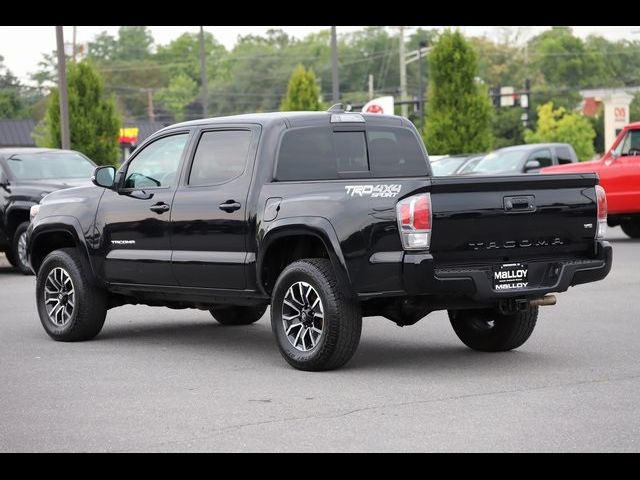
421, 277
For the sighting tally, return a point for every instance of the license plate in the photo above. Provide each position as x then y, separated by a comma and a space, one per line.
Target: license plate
510, 276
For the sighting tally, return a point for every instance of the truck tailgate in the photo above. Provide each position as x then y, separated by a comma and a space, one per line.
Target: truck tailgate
512, 218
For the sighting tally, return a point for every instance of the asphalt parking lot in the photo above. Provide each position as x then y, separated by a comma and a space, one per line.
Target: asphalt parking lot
174, 380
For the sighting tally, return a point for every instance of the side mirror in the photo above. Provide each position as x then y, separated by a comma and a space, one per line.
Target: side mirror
531, 165
104, 177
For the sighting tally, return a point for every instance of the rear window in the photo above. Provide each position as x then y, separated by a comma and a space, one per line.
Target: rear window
395, 152
318, 153
564, 155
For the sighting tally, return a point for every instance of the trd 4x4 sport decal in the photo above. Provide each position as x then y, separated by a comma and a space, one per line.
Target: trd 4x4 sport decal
373, 191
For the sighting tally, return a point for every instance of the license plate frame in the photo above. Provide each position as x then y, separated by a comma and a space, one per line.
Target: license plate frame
510, 276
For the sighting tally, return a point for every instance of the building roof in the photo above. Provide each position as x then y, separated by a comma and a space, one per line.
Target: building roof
17, 133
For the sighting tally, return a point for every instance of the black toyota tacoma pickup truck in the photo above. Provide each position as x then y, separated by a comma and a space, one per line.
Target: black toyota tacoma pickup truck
326, 216
27, 175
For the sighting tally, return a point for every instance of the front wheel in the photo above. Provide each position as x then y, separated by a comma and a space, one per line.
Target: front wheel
317, 326
70, 305
237, 315
490, 331
632, 229
18, 256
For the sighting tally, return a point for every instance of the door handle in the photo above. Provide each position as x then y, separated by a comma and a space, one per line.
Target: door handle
229, 206
159, 207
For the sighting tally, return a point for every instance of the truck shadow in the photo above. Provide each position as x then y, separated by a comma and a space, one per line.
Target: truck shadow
9, 271
192, 338
437, 357
254, 344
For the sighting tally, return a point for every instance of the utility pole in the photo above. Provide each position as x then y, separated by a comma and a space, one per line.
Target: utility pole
74, 43
370, 87
62, 87
527, 86
150, 110
203, 76
403, 73
334, 66
421, 46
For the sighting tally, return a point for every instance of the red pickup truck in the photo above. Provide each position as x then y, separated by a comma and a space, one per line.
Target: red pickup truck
619, 172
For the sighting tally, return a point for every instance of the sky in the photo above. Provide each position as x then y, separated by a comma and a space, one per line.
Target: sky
22, 46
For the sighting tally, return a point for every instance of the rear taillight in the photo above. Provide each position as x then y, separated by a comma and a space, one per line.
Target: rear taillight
414, 221
601, 198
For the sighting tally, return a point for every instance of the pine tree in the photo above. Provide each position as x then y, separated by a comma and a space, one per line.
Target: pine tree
303, 93
459, 110
93, 121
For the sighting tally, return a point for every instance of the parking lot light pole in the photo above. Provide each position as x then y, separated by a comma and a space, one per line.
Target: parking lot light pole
62, 87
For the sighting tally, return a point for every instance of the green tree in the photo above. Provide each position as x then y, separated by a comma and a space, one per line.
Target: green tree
634, 108
564, 59
182, 90
11, 103
93, 121
562, 125
134, 43
459, 110
182, 55
103, 48
597, 123
303, 93
507, 127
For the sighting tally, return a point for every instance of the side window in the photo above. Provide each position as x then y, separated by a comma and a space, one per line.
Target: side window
157, 165
220, 157
543, 156
631, 144
564, 155
395, 152
307, 154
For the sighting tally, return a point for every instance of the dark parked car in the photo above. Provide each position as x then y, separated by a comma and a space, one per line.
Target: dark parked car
326, 216
26, 176
525, 159
455, 164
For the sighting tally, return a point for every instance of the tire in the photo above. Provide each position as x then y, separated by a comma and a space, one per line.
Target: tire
326, 309
632, 229
18, 249
490, 331
84, 320
237, 315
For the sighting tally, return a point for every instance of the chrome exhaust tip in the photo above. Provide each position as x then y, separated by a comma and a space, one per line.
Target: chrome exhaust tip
543, 301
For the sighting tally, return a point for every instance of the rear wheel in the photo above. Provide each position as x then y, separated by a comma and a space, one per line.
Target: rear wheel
70, 304
317, 326
491, 331
631, 228
19, 249
237, 315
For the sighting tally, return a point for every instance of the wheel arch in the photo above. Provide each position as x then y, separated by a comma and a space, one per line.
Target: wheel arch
54, 233
17, 213
283, 230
